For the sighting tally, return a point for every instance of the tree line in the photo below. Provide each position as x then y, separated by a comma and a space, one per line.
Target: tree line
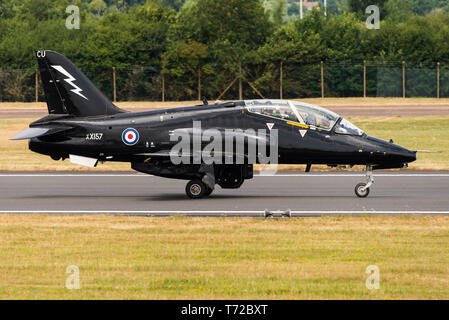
207, 44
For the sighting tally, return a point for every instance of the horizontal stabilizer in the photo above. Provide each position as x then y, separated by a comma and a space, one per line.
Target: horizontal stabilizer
37, 132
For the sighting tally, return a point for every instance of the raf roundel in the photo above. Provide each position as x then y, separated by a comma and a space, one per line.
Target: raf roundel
130, 136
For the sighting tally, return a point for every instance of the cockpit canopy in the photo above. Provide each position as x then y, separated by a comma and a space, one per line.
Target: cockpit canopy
303, 113
346, 127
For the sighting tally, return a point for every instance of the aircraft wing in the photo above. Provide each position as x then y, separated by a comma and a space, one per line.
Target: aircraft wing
169, 153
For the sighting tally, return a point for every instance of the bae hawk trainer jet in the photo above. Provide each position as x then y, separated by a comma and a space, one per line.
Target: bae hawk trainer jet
86, 127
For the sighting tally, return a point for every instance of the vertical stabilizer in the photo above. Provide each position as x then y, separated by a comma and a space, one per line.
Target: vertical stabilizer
68, 90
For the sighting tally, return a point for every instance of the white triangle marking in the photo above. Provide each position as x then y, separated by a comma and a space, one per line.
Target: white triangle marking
270, 125
303, 132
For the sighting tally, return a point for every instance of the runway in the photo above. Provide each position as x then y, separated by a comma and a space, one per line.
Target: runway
313, 194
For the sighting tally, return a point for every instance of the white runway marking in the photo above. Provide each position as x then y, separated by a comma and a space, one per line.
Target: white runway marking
358, 175
445, 175
206, 212
75, 175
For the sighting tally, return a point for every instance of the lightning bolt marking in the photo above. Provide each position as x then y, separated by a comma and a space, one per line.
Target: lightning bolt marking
70, 80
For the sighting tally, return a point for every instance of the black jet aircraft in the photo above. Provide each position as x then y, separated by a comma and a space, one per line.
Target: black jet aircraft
86, 127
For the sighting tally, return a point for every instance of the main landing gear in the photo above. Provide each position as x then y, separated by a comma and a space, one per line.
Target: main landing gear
362, 189
197, 189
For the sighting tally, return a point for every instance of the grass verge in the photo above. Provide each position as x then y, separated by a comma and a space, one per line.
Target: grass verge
326, 102
223, 258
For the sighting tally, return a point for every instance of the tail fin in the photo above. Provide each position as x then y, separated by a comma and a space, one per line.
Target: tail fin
68, 90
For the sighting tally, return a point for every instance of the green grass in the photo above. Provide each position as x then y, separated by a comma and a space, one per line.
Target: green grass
413, 132
416, 133
223, 258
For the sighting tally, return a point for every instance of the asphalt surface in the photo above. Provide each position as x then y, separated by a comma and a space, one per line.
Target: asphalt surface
345, 111
314, 194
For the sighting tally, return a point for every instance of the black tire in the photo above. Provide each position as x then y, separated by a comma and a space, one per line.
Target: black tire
195, 189
208, 191
359, 192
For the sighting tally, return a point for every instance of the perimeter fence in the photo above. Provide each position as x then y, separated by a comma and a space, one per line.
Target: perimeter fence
285, 80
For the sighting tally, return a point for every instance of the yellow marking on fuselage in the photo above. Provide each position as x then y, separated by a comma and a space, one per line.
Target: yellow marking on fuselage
298, 125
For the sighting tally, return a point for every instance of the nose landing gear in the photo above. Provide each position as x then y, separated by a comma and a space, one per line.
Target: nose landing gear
362, 189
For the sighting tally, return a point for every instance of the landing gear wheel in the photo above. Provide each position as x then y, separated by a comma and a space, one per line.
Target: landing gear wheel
361, 191
196, 189
208, 191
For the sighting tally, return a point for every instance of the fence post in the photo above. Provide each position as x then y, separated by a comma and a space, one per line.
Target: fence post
37, 85
163, 87
240, 82
227, 88
403, 79
281, 80
364, 78
322, 79
199, 84
438, 80
114, 84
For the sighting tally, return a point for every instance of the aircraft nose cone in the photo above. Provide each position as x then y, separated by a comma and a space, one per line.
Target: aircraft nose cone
389, 155
409, 156
406, 156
